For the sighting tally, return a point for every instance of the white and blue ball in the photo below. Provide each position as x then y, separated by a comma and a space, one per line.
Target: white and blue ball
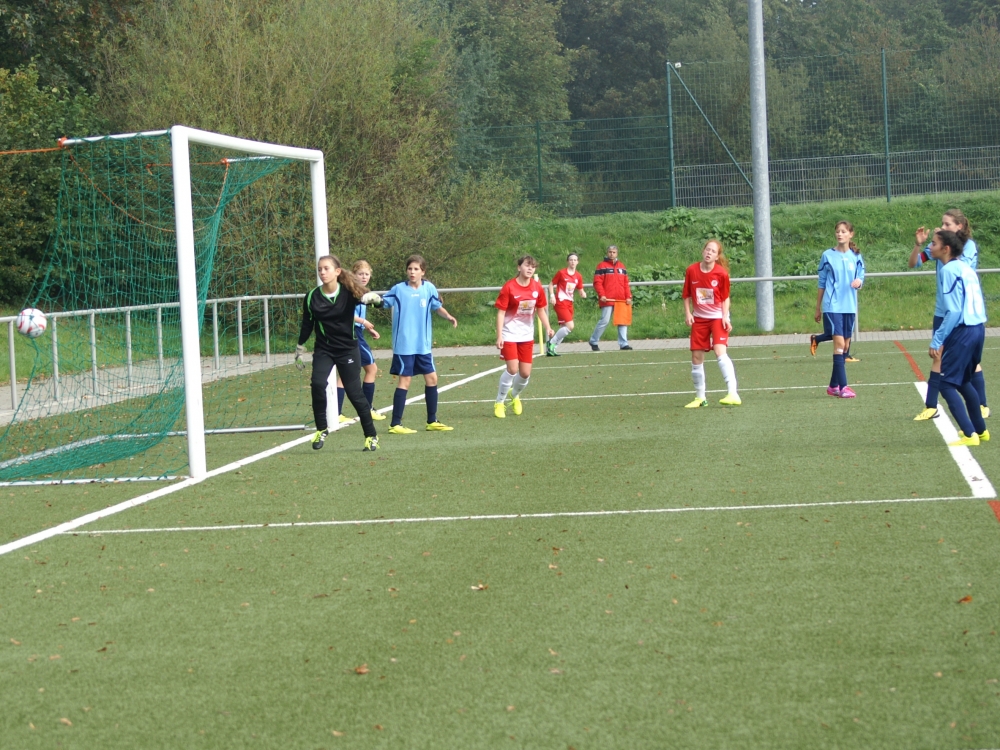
31, 322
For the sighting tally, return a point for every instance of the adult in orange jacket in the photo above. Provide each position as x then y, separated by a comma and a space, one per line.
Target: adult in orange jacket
610, 286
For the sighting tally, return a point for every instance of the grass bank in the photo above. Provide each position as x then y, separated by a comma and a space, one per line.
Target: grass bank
662, 245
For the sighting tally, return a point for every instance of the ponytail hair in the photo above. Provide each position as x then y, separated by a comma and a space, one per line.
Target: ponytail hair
952, 241
722, 260
346, 279
850, 228
964, 230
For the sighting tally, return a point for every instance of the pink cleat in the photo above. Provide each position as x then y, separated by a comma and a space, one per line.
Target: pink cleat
833, 391
846, 392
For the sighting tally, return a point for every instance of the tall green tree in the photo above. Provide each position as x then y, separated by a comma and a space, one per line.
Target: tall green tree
620, 53
511, 68
62, 37
365, 82
32, 116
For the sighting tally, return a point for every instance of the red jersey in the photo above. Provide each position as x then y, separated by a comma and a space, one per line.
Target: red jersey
519, 303
707, 291
565, 283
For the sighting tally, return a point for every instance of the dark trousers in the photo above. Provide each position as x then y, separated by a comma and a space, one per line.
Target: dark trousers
348, 366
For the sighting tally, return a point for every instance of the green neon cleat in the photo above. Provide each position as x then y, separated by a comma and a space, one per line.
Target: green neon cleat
319, 438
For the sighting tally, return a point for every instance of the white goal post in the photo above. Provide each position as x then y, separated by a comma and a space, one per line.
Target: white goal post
181, 138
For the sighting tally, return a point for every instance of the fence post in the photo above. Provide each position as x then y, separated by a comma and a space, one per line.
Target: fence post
670, 137
538, 151
885, 127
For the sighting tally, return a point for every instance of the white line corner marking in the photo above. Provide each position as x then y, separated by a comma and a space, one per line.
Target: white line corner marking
970, 468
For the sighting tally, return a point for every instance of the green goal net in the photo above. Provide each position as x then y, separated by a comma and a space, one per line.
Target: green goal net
105, 398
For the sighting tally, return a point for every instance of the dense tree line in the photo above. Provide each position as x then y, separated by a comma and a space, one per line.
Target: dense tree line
390, 89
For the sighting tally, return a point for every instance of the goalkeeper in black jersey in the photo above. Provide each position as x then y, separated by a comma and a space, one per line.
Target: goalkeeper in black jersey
329, 309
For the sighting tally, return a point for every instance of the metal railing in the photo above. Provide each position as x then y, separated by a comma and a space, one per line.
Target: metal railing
91, 316
266, 299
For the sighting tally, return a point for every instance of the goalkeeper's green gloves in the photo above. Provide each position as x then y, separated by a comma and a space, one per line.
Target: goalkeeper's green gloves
299, 351
371, 298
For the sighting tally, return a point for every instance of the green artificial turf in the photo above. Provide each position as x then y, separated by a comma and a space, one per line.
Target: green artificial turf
712, 624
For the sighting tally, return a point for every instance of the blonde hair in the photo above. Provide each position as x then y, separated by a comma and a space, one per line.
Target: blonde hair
360, 265
347, 279
722, 259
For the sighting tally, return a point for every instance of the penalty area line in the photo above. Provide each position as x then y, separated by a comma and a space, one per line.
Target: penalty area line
70, 526
523, 516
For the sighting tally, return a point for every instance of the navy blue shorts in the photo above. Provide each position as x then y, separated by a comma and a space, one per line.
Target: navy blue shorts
408, 365
367, 357
936, 323
838, 324
963, 351
827, 325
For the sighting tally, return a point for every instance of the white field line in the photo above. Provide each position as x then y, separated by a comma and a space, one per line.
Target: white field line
104, 480
76, 523
525, 516
687, 361
970, 468
667, 393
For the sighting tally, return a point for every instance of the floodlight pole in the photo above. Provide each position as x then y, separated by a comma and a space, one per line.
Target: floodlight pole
181, 138
759, 166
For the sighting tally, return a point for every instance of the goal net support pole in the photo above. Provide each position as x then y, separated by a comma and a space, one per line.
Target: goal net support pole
180, 139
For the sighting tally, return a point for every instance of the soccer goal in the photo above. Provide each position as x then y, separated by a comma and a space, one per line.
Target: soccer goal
172, 288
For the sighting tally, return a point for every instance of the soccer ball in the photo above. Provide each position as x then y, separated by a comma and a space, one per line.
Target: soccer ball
31, 322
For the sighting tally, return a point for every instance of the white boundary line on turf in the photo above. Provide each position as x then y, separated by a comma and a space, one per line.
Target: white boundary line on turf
76, 523
970, 468
887, 352
524, 516
667, 393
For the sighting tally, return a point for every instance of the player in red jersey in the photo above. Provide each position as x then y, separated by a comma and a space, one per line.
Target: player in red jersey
706, 310
521, 299
564, 283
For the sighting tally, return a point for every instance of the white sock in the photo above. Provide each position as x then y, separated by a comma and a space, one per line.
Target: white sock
698, 376
506, 381
562, 333
728, 373
519, 385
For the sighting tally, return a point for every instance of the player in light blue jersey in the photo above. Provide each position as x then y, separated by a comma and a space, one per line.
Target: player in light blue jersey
816, 339
955, 221
841, 274
413, 302
958, 341
363, 270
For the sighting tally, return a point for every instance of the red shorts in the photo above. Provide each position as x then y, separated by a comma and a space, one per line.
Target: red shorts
522, 351
564, 311
707, 333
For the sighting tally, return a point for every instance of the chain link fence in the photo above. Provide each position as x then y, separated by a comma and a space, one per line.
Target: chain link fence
879, 124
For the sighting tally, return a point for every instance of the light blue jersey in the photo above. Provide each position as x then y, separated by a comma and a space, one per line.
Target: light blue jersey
411, 316
836, 272
958, 284
360, 311
970, 255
